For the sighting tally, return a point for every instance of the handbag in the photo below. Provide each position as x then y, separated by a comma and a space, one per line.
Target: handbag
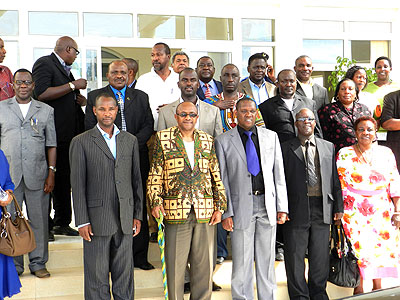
16, 236
343, 267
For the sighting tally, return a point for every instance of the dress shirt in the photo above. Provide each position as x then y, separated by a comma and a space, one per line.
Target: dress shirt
6, 79
159, 91
110, 141
257, 181
316, 190
260, 94
198, 109
189, 147
133, 82
212, 86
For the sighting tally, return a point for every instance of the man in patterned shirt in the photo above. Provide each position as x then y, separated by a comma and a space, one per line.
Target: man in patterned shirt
185, 185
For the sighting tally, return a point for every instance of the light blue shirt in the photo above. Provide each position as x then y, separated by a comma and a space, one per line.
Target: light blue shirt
115, 91
213, 87
260, 94
111, 143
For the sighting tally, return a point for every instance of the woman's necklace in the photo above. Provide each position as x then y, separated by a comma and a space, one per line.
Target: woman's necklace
367, 161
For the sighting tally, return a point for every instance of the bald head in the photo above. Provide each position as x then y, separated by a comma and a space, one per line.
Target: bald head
67, 49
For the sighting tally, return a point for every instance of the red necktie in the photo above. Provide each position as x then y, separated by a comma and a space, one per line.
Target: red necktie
208, 91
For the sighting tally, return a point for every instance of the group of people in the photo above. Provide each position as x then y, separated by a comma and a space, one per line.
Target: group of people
271, 160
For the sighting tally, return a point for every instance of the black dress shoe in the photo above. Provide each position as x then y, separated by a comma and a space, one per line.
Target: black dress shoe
65, 230
279, 255
220, 260
153, 237
186, 288
216, 287
145, 266
51, 236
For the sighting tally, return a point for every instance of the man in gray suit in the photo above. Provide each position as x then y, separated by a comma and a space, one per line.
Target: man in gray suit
305, 85
27, 135
209, 116
315, 200
107, 195
252, 172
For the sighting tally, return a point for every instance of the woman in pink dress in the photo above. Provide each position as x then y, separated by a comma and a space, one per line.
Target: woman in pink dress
371, 190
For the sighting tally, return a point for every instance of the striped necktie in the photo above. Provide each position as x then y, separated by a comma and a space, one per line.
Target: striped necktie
208, 91
312, 175
121, 107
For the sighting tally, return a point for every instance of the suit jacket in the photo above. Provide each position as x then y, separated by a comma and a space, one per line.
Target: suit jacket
320, 95
279, 118
237, 179
138, 116
296, 181
24, 140
174, 184
107, 192
245, 88
209, 118
69, 117
200, 92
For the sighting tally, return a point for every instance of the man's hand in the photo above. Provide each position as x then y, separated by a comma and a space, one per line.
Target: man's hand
85, 232
337, 217
282, 217
80, 84
227, 224
49, 182
81, 100
215, 218
156, 211
136, 227
271, 73
224, 104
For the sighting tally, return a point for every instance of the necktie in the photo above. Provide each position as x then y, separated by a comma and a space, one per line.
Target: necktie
121, 107
312, 176
253, 164
208, 91
67, 69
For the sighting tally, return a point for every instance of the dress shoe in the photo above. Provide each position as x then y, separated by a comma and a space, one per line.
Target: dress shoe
145, 266
65, 230
51, 236
279, 254
216, 287
220, 260
186, 288
42, 273
153, 237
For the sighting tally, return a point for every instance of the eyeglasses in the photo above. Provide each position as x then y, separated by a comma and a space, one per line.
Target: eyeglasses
20, 82
305, 119
184, 115
76, 50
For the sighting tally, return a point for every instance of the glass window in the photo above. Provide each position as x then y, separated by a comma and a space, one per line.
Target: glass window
8, 22
202, 28
108, 25
323, 51
76, 66
91, 70
322, 27
249, 51
157, 26
368, 51
370, 27
53, 23
257, 30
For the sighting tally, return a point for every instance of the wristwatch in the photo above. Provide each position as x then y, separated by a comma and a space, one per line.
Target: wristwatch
72, 86
53, 168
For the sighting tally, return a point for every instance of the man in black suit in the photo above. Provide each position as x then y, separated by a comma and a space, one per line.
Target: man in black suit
56, 86
315, 198
134, 115
279, 111
208, 85
305, 85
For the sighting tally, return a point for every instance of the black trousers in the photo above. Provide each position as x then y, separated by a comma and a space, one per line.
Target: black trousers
313, 236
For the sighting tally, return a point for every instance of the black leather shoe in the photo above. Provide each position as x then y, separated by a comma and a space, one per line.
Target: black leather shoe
51, 236
153, 237
186, 288
216, 287
220, 260
65, 230
146, 266
279, 255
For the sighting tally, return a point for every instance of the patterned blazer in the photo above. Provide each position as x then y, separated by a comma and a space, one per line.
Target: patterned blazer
175, 185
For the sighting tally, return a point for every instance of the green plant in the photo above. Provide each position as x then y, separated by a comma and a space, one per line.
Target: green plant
342, 65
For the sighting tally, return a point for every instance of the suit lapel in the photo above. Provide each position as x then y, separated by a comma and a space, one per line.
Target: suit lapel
296, 148
202, 113
33, 109
120, 144
15, 108
247, 88
237, 143
299, 90
98, 139
59, 65
129, 98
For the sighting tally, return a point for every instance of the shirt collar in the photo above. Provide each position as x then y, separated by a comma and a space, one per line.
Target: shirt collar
310, 82
241, 130
105, 134
115, 91
62, 62
255, 85
303, 140
202, 84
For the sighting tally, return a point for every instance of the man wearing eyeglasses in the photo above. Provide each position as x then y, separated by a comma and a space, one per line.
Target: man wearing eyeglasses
27, 135
315, 201
56, 86
185, 186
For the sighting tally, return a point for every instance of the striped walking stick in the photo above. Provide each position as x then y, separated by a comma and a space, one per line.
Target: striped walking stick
161, 244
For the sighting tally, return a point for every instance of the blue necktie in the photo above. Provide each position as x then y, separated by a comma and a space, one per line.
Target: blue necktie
253, 164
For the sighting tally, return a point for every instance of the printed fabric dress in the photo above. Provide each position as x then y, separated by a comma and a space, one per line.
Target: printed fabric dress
368, 209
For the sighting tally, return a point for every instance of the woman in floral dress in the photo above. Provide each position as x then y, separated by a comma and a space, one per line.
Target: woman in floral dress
371, 189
